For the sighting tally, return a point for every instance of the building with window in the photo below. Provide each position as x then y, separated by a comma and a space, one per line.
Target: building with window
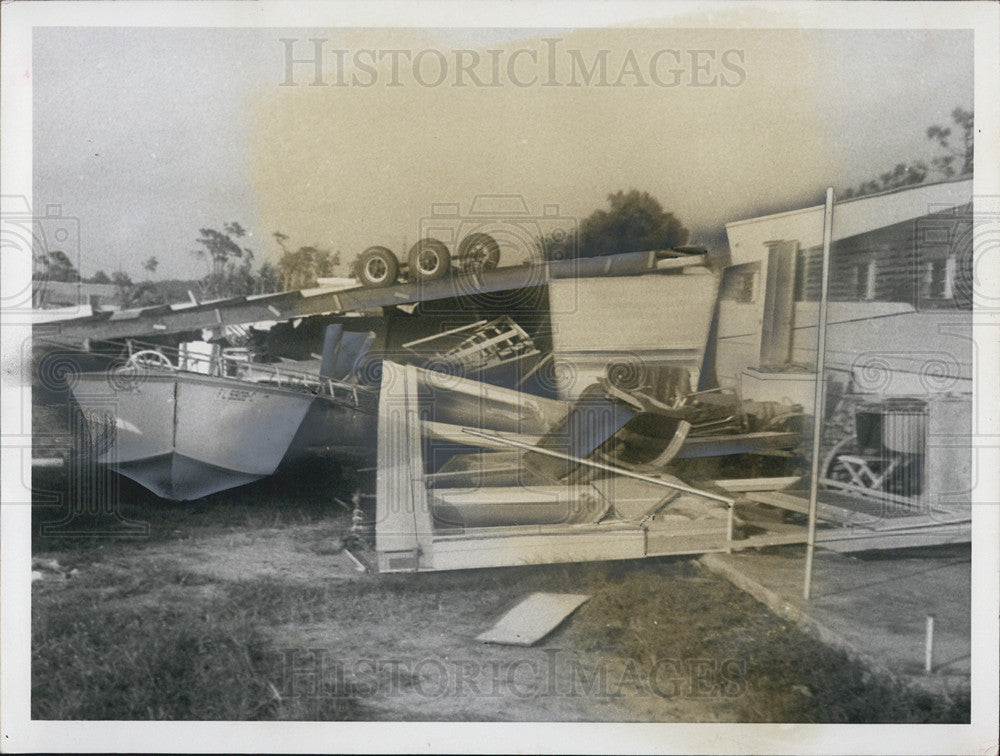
900, 296
897, 420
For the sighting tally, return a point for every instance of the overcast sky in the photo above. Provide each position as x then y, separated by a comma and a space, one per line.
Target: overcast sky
147, 135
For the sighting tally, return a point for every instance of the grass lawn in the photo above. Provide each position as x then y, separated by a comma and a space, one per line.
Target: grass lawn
244, 606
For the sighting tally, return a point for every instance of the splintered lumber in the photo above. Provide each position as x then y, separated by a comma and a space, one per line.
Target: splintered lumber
540, 544
864, 529
533, 618
862, 539
828, 512
744, 485
504, 508
628, 474
896, 539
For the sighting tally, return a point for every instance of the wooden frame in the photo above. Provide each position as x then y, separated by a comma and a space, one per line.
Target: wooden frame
407, 539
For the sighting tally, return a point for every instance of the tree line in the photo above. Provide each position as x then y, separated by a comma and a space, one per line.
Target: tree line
230, 270
956, 144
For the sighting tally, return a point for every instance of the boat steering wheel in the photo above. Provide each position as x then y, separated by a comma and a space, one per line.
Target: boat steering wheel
150, 358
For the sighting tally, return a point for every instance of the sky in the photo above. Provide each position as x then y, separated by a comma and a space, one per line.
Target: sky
146, 135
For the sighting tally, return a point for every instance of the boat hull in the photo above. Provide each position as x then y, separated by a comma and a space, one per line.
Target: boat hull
184, 436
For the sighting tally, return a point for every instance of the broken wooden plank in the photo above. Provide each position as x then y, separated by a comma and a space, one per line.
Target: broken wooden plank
897, 539
828, 512
918, 521
744, 485
533, 618
557, 529
455, 435
702, 541
736, 443
770, 539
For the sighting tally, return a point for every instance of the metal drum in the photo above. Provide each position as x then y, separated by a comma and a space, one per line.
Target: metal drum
904, 425
868, 427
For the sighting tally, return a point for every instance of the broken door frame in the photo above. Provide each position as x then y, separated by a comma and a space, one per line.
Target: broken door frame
407, 541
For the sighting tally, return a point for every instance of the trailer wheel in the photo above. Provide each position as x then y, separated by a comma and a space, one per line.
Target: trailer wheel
378, 266
479, 252
428, 259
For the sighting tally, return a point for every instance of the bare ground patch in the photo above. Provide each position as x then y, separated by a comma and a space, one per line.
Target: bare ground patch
267, 618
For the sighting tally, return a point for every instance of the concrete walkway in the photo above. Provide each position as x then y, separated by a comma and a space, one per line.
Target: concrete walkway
874, 607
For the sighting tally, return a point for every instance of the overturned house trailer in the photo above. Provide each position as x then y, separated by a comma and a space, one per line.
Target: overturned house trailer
477, 475
895, 458
472, 475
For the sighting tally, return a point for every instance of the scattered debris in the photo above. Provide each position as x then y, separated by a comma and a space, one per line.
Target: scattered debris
50, 569
450, 501
532, 619
481, 347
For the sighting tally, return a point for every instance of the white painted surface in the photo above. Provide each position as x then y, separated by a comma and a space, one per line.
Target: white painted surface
643, 320
748, 238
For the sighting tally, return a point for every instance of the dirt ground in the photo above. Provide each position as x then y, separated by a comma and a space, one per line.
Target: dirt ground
402, 647
247, 606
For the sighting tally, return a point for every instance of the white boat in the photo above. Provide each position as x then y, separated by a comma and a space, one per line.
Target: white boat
184, 434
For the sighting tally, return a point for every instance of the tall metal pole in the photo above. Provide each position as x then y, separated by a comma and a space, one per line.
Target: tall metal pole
818, 396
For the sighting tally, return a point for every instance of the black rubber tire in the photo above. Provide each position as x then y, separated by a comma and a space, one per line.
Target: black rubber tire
428, 259
378, 267
479, 252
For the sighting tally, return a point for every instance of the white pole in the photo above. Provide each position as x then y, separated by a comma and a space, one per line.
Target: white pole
929, 645
818, 396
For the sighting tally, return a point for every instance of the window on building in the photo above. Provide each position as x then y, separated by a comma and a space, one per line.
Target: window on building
937, 278
741, 283
807, 274
862, 280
